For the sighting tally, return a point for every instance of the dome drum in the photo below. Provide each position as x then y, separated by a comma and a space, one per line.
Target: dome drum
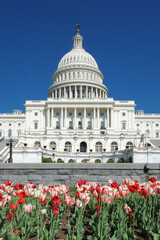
78, 91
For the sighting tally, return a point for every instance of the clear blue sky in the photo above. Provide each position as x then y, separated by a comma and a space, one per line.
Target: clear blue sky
123, 36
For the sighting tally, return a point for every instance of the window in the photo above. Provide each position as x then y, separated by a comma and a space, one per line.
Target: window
102, 125
9, 133
36, 113
79, 114
70, 114
157, 124
18, 132
98, 147
57, 125
123, 125
57, 113
89, 114
123, 114
147, 132
79, 125
89, 125
102, 114
52, 145
137, 124
19, 124
70, 125
157, 134
68, 147
147, 125
37, 144
10, 124
0, 124
129, 145
114, 146
0, 134
35, 125
138, 133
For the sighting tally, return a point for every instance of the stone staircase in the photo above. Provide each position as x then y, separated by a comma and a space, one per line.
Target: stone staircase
4, 150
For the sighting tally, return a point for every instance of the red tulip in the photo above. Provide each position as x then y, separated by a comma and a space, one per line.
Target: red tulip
13, 207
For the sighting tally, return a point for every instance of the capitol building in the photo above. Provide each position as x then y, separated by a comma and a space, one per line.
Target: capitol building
78, 121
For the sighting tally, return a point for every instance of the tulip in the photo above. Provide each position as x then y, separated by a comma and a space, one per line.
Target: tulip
27, 208
79, 203
43, 211
127, 209
13, 207
42, 197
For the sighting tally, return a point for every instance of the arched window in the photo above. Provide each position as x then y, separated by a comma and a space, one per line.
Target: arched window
0, 134
114, 146
68, 147
18, 132
52, 145
36, 125
98, 147
57, 125
37, 144
9, 133
79, 125
102, 124
129, 145
70, 125
89, 125
147, 132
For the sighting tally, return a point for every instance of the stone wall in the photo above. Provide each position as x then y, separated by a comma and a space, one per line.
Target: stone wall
54, 174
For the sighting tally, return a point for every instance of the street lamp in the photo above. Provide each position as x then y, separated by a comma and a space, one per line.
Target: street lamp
9, 144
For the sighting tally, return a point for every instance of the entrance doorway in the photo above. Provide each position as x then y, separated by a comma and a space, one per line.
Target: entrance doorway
83, 147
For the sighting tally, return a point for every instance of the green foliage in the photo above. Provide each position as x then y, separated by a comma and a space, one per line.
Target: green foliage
128, 160
71, 161
121, 160
60, 161
97, 161
46, 160
110, 161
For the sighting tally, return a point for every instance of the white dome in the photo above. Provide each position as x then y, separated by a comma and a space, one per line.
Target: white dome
77, 55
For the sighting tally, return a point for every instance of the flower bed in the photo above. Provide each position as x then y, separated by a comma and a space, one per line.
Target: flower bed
90, 211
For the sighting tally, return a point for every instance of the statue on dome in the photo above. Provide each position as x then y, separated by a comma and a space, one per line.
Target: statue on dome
77, 27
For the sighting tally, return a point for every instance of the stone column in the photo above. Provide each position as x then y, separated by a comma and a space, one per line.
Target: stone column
48, 117
98, 117
107, 117
94, 117
75, 117
96, 93
84, 119
56, 93
111, 123
86, 91
65, 93
61, 118
91, 92
65, 117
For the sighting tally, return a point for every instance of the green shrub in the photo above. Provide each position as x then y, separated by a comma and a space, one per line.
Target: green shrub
110, 161
71, 161
128, 160
98, 161
46, 160
60, 161
121, 160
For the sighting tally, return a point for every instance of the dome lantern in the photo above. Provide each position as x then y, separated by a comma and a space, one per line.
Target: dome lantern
77, 39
